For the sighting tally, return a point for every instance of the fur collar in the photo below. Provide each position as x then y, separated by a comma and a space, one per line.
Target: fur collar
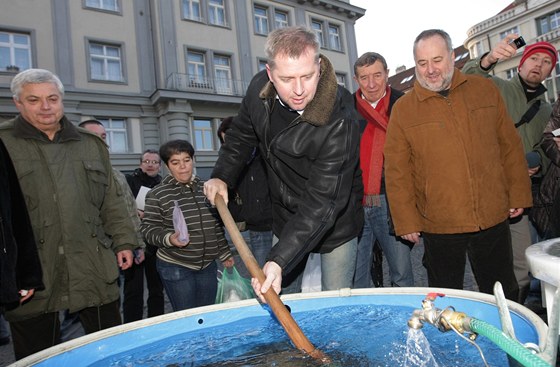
319, 110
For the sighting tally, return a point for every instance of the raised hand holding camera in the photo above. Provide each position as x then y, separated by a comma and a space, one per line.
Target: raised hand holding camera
503, 50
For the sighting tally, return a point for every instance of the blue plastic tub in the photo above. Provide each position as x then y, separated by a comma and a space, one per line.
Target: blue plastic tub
104, 347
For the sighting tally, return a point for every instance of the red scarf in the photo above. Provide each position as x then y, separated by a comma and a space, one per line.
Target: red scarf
372, 143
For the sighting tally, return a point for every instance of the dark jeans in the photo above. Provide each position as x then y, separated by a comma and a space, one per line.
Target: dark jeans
43, 331
490, 254
155, 286
133, 289
188, 288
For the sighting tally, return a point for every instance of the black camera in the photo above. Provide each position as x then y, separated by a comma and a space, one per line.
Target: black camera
518, 42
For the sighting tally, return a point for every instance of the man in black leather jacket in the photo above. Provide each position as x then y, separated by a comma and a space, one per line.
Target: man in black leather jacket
306, 127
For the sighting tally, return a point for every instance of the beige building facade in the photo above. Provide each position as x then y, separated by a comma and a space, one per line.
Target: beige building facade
156, 70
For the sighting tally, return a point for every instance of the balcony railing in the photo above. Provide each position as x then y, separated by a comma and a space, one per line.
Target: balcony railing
191, 83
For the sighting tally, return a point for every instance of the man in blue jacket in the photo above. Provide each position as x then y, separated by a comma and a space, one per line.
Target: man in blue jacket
305, 126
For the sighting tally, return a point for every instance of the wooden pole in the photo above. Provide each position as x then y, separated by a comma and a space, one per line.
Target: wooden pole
278, 308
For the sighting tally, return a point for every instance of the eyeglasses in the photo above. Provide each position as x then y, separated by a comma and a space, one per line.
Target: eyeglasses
147, 161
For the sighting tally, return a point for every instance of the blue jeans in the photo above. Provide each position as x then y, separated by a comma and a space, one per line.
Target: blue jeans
260, 244
396, 252
337, 269
188, 288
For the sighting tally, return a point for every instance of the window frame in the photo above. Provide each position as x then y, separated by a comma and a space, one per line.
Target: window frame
207, 10
510, 73
118, 4
324, 35
341, 78
122, 59
260, 19
283, 12
204, 64
263, 62
111, 131
210, 82
210, 131
11, 49
229, 89
338, 34
478, 49
319, 33
271, 12
508, 31
548, 19
225, 13
189, 3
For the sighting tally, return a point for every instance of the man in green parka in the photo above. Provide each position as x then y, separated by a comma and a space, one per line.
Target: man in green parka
527, 104
79, 219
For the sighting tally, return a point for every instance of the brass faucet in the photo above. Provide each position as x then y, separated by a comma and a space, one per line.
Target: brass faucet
444, 320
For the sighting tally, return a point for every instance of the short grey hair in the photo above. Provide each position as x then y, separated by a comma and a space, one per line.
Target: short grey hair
290, 41
34, 76
367, 59
429, 33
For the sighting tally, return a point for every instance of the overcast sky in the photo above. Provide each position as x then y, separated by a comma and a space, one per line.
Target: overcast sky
389, 27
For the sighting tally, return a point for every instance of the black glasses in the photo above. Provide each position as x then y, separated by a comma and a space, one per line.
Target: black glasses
147, 161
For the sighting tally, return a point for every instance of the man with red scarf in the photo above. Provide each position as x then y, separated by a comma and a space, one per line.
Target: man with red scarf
374, 100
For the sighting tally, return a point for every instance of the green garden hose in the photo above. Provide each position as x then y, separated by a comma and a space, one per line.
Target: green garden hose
507, 344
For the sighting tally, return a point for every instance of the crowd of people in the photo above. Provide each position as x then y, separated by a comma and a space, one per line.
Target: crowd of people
305, 166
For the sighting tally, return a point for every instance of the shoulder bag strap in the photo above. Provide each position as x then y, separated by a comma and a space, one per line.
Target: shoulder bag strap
530, 113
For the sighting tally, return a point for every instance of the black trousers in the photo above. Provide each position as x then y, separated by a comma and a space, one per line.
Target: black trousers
43, 331
133, 289
490, 255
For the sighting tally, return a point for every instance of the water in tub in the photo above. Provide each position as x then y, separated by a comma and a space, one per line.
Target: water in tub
359, 335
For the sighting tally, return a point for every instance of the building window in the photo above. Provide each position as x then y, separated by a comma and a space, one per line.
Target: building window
261, 64
261, 20
196, 66
191, 10
280, 19
110, 5
265, 18
105, 62
15, 51
478, 49
334, 38
407, 79
510, 73
509, 31
117, 136
216, 12
222, 74
459, 57
317, 27
549, 22
203, 134
341, 79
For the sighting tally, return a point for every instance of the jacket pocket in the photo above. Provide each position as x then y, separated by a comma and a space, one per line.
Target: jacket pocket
102, 238
97, 181
28, 184
106, 265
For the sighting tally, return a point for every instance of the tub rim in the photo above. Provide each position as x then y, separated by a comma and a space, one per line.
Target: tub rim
540, 326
